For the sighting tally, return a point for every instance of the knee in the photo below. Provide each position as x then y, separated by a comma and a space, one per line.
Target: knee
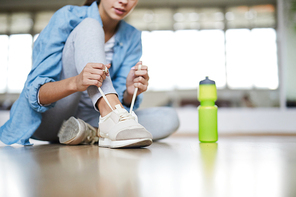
90, 27
161, 122
172, 118
170, 123
90, 23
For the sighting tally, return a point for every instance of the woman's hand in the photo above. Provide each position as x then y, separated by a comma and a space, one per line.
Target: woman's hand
136, 79
92, 74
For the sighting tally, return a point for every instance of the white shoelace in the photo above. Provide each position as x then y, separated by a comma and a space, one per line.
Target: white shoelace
93, 138
134, 95
124, 115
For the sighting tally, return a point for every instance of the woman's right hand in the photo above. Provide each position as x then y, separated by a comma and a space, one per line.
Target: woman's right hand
92, 74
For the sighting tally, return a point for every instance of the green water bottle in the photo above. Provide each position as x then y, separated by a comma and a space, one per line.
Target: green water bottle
207, 111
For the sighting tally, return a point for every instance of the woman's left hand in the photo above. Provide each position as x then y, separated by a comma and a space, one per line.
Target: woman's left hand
137, 79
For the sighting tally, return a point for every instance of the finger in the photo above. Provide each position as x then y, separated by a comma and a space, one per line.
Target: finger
136, 67
100, 73
93, 70
142, 67
106, 70
139, 63
90, 82
141, 87
99, 66
142, 73
96, 72
141, 80
108, 66
95, 65
98, 84
96, 68
100, 78
104, 76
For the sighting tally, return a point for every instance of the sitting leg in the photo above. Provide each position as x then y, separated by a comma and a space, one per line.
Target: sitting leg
161, 122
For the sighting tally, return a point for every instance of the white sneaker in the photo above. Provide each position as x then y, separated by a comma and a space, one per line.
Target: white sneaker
120, 129
76, 131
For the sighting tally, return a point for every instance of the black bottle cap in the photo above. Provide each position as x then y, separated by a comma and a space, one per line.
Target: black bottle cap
206, 81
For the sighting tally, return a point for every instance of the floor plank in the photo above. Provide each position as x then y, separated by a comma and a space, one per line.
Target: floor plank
177, 166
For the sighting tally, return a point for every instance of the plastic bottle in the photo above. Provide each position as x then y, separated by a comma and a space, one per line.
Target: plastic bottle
207, 111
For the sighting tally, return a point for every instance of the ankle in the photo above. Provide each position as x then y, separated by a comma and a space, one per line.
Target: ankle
104, 107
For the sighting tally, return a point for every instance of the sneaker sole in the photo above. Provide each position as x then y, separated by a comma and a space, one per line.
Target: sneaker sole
134, 143
68, 131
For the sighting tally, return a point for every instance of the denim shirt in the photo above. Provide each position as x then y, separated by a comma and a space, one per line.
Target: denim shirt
26, 112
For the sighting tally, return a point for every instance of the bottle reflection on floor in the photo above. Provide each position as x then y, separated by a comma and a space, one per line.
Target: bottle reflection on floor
208, 152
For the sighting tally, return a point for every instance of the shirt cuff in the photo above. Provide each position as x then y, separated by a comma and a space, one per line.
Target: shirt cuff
33, 94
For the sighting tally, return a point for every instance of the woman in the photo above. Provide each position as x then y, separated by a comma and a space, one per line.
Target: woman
80, 50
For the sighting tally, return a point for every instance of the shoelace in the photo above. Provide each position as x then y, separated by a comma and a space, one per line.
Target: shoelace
134, 95
125, 116
92, 138
135, 92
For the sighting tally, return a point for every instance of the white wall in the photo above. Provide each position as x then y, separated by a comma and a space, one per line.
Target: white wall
243, 121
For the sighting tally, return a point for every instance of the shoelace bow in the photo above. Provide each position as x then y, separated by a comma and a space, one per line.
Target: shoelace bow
125, 116
93, 138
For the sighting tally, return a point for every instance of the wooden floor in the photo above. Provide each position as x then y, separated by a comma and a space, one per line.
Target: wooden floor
236, 166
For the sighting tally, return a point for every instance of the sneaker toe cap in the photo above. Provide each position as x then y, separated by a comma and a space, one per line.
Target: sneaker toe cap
136, 133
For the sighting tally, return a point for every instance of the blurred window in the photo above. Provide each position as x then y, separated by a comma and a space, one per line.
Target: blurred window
251, 58
237, 48
182, 58
159, 45
19, 61
3, 62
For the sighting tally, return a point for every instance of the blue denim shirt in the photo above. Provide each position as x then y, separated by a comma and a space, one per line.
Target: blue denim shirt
25, 114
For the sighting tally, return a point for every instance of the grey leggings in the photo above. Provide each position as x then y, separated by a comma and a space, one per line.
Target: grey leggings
86, 44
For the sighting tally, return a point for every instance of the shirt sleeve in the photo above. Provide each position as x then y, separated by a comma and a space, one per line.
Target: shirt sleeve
47, 54
132, 57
